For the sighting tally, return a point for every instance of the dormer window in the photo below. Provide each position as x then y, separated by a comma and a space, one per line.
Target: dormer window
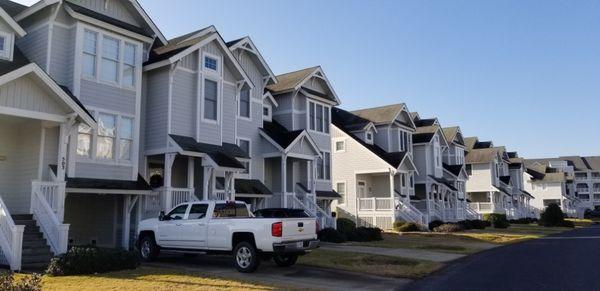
5, 45
267, 114
369, 137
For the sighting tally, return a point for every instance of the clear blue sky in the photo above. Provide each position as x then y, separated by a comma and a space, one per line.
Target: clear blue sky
525, 74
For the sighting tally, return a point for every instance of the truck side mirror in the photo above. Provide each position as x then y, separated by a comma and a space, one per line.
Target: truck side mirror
161, 216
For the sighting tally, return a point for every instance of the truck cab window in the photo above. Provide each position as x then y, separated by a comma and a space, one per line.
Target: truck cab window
177, 213
198, 211
223, 210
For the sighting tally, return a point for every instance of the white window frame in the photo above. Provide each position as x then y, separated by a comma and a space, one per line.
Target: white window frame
215, 76
325, 178
344, 196
367, 139
212, 56
249, 161
219, 98
335, 149
239, 107
100, 34
325, 125
7, 52
268, 117
116, 152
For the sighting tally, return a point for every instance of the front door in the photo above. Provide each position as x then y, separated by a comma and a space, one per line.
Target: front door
169, 229
194, 230
361, 189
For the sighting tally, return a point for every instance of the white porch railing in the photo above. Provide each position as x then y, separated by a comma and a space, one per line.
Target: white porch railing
11, 239
409, 212
325, 219
481, 207
375, 204
171, 197
472, 213
437, 210
47, 217
218, 196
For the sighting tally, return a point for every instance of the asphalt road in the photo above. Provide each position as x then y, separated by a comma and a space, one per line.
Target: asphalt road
567, 261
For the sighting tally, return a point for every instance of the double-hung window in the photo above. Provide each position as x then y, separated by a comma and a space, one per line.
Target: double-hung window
129, 65
245, 103
2, 44
106, 136
324, 166
110, 59
126, 138
245, 146
211, 93
340, 187
84, 141
90, 51
318, 117
6, 44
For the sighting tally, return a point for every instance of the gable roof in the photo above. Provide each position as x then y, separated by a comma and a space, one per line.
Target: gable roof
481, 156
593, 162
453, 169
182, 46
283, 138
224, 155
246, 44
294, 80
12, 8
349, 120
383, 114
105, 18
470, 142
21, 66
454, 135
394, 159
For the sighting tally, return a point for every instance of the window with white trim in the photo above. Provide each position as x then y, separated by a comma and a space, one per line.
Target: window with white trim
211, 99
106, 136
324, 166
369, 137
318, 117
84, 141
6, 44
267, 114
126, 138
90, 51
340, 188
340, 146
211, 63
111, 49
244, 110
244, 144
129, 53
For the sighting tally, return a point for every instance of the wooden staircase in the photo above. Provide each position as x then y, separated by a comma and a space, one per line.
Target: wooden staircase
36, 251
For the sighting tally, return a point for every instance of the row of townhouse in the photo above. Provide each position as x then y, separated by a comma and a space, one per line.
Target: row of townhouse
573, 182
105, 122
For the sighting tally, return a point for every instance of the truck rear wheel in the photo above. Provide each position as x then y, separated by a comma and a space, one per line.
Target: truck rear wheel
245, 257
285, 260
148, 248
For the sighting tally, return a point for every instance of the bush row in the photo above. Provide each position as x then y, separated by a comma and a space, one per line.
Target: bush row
91, 260
527, 220
497, 220
347, 231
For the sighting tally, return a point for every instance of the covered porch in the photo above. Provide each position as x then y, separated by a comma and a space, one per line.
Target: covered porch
488, 202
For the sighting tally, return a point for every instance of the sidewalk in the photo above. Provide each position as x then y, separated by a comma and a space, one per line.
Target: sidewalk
395, 252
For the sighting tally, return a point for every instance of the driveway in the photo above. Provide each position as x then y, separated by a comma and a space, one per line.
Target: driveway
567, 261
297, 276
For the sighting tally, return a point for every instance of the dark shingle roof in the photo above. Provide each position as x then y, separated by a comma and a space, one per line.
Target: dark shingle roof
479, 156
106, 184
224, 156
380, 115
251, 186
348, 120
281, 135
328, 194
505, 179
12, 8
108, 19
422, 137
291, 80
443, 181
454, 169
338, 118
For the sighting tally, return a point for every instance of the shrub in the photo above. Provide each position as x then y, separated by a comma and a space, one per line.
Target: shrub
363, 234
568, 223
497, 220
398, 224
435, 224
449, 227
409, 227
345, 225
331, 235
526, 220
29, 283
552, 216
91, 260
465, 224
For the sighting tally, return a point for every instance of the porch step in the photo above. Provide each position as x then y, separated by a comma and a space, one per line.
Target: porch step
36, 252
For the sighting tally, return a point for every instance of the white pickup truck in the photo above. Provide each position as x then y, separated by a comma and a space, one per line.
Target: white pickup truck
227, 227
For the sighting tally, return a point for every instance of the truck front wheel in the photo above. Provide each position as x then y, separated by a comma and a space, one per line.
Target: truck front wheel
285, 260
148, 248
245, 257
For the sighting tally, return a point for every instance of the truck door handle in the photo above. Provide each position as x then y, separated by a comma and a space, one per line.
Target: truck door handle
201, 224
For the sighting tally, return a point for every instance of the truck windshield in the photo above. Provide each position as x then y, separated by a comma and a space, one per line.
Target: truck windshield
223, 210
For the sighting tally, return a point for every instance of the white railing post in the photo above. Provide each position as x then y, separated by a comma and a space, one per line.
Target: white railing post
17, 246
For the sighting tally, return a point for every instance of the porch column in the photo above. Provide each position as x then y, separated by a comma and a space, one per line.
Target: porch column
230, 185
206, 182
284, 179
313, 188
169, 160
126, 221
190, 172
61, 164
392, 174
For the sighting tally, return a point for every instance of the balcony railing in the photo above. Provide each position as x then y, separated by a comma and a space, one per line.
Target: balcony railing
374, 204
481, 207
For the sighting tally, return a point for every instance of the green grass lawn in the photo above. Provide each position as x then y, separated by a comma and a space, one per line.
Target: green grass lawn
370, 264
149, 278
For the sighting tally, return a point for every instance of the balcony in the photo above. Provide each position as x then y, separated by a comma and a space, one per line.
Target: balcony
595, 176
596, 197
581, 177
375, 204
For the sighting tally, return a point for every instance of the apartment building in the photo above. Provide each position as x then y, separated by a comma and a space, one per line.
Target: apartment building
372, 165
455, 171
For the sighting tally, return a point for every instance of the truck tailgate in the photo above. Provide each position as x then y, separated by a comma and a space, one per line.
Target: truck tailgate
299, 228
